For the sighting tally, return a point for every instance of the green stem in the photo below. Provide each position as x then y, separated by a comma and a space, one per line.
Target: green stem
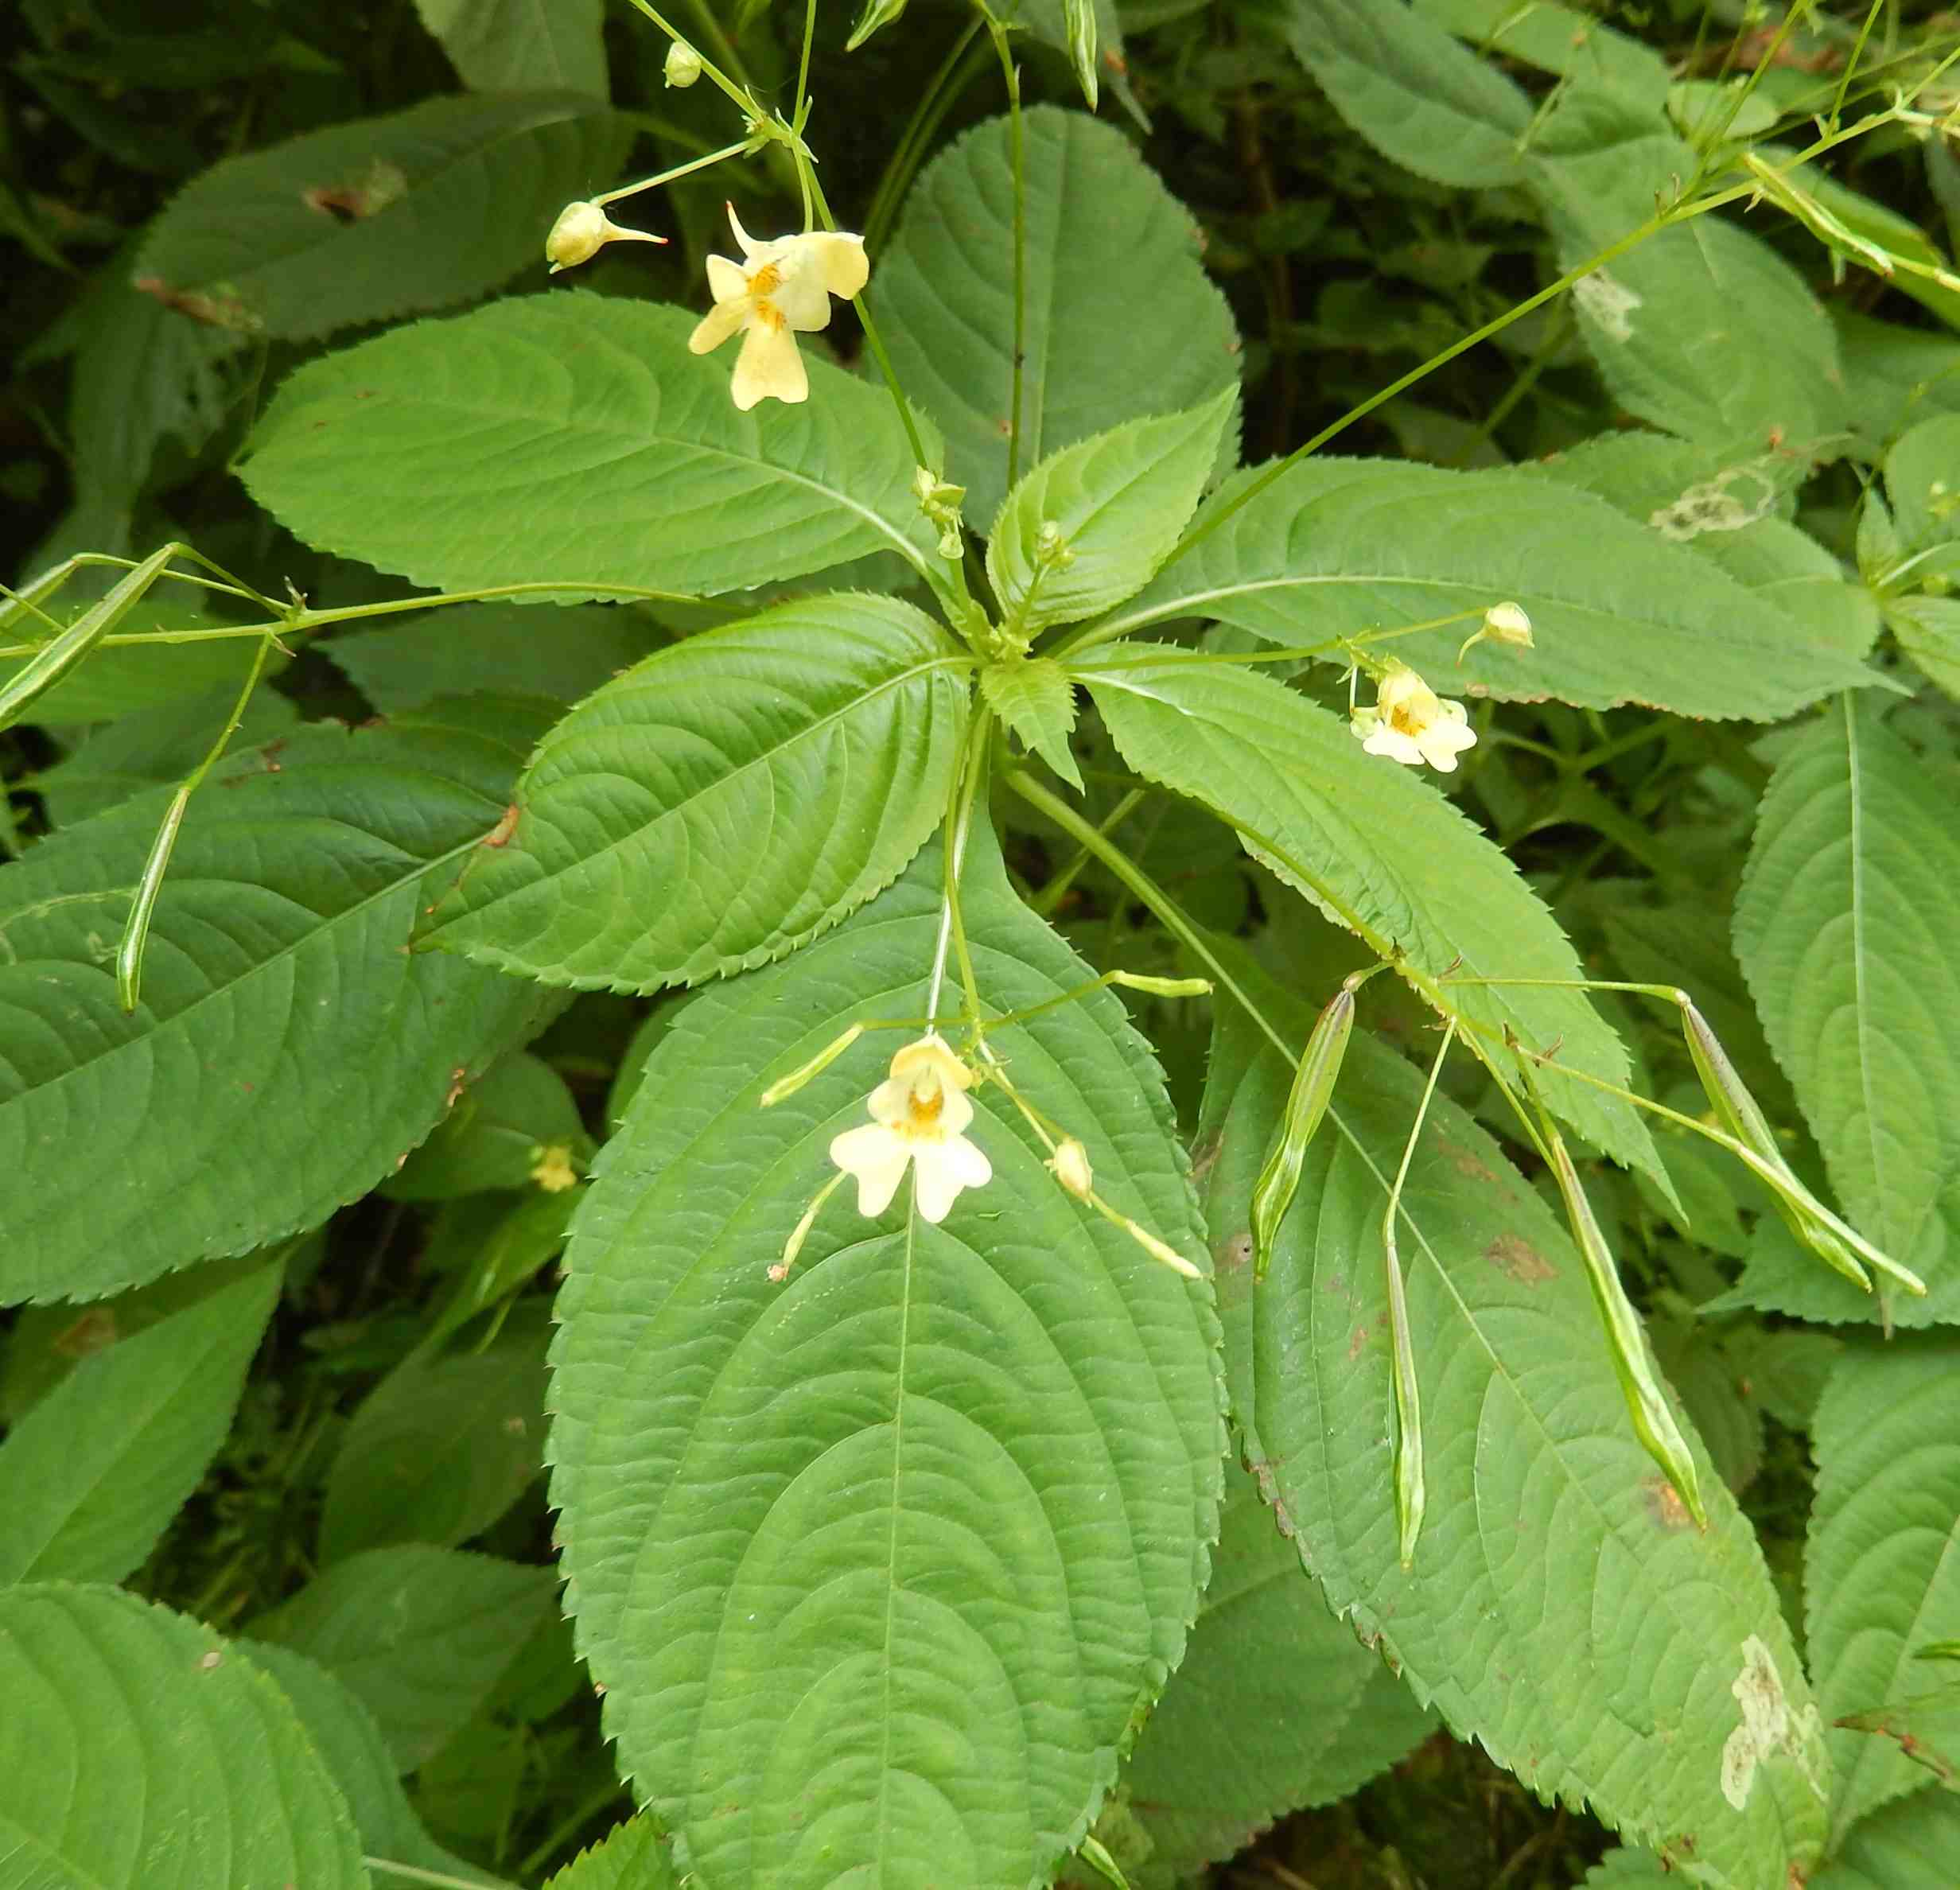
668, 176
723, 48
1056, 890
1012, 77
941, 90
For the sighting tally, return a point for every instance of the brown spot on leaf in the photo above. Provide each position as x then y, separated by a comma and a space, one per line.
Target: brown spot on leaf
1463, 1161
1356, 1344
1236, 1253
93, 1332
1205, 1152
357, 198
499, 835
1517, 1256
1664, 1501
218, 307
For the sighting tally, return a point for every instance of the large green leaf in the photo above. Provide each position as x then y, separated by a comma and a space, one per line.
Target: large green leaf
91, 1476
1848, 926
1562, 1607
1335, 547
137, 1749
384, 217
877, 1566
514, 45
1909, 1847
723, 801
419, 1635
496, 1137
1422, 100
1277, 1705
344, 1734
1703, 330
631, 1856
438, 1450
1379, 852
1117, 501
1100, 228
1882, 1574
288, 1050
569, 436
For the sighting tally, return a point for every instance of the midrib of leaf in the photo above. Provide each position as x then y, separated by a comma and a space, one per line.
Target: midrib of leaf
1881, 1196
898, 1472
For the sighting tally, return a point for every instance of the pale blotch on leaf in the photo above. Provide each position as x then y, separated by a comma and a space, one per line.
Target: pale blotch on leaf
1768, 1727
1609, 305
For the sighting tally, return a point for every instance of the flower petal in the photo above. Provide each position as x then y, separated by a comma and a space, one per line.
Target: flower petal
715, 327
769, 368
1394, 745
942, 1169
877, 1156
727, 281
748, 245
841, 260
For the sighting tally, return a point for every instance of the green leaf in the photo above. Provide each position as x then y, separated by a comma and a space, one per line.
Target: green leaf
1911, 1846
1419, 98
1882, 1572
493, 1136
1573, 44
419, 1635
1923, 481
1619, 615
1848, 926
1625, 1869
1037, 700
600, 452
1895, 376
724, 801
386, 217
1781, 1276
91, 1477
1561, 1608
631, 1856
1702, 330
288, 1051
1098, 224
1379, 852
1117, 501
879, 1563
1928, 631
344, 1733
516, 45
139, 1749
1277, 1706
502, 649
438, 1451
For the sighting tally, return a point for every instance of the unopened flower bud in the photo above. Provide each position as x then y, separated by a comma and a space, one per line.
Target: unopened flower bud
582, 230
1071, 1167
1051, 548
1507, 624
683, 64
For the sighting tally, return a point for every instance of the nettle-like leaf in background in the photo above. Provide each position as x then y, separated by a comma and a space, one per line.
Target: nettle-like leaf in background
384, 217
569, 436
1908, 1846
495, 1135
631, 1856
1101, 230
877, 1566
1379, 852
1333, 547
1561, 39
1702, 330
137, 1749
1928, 631
1116, 502
518, 45
288, 1051
1562, 1607
1277, 1707
91, 1477
725, 801
1882, 1574
1422, 100
1848, 926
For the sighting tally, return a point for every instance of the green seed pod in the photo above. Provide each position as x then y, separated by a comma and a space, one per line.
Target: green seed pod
1411, 1491
1647, 1403
41, 671
1313, 1088
1080, 16
876, 13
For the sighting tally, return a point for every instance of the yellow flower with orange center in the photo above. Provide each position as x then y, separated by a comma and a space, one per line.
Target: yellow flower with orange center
919, 1117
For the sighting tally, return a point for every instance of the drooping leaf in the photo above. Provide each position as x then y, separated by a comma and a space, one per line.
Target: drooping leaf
1908, 1846
1562, 1607
91, 1476
1098, 220
723, 801
344, 1733
496, 1135
631, 1856
381, 218
288, 1051
1335, 547
1037, 700
137, 1749
1848, 926
521, 45
1422, 100
1882, 1572
573, 437
1277, 1706
1115, 502
438, 1451
1379, 852
879, 1562
1702, 330
419, 1635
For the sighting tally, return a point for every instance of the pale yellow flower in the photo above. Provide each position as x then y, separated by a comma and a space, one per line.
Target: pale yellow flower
776, 289
918, 1115
1410, 723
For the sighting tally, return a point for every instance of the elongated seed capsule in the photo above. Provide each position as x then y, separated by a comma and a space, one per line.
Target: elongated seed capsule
1411, 1491
1653, 1422
1729, 1097
1079, 18
1313, 1088
40, 672
1162, 987
788, 1086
